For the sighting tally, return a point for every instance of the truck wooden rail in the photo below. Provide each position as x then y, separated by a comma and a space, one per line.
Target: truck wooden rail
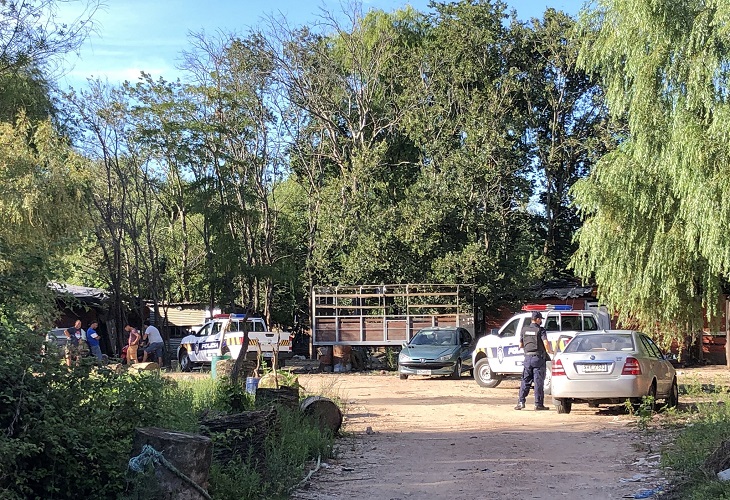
387, 315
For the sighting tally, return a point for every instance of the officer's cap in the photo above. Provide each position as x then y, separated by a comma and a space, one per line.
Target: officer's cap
536, 314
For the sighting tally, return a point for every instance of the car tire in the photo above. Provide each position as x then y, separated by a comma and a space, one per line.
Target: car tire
456, 375
403, 376
563, 405
673, 398
593, 405
484, 375
185, 364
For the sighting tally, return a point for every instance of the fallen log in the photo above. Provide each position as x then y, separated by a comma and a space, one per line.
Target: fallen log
325, 413
241, 435
285, 396
181, 462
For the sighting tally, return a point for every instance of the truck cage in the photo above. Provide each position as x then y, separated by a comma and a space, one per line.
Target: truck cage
387, 315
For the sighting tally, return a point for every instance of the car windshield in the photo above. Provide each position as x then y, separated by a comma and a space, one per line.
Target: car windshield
432, 337
601, 342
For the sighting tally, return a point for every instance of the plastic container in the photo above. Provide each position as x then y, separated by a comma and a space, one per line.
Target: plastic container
252, 383
214, 361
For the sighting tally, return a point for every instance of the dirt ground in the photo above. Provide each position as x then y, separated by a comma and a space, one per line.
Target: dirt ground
431, 438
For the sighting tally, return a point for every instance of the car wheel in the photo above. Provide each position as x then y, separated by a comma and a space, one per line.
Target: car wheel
652, 394
185, 364
673, 399
563, 405
484, 375
403, 376
456, 375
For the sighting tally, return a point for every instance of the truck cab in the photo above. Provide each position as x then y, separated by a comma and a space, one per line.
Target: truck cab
225, 334
498, 355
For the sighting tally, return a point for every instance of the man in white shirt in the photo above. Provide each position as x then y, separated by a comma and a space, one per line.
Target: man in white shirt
156, 344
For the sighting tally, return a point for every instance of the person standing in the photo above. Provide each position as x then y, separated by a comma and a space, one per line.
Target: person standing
92, 338
156, 344
533, 339
132, 344
73, 339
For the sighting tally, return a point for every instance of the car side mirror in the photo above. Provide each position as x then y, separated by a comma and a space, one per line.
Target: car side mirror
494, 331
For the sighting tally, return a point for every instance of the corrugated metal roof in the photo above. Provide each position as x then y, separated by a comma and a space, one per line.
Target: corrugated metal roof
184, 317
563, 290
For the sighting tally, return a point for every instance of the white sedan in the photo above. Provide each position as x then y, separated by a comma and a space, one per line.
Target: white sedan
609, 367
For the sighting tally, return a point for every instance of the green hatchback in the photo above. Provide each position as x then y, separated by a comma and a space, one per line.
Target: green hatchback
437, 351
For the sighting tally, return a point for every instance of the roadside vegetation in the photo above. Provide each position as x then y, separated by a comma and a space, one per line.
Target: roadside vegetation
692, 438
67, 432
458, 145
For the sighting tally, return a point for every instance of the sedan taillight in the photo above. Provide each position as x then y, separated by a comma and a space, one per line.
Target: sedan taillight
631, 367
557, 368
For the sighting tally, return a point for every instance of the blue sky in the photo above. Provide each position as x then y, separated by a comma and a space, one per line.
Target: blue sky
144, 35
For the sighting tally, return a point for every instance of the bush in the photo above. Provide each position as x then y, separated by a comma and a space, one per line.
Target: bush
67, 432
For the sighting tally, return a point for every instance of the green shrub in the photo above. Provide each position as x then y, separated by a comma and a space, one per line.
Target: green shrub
67, 432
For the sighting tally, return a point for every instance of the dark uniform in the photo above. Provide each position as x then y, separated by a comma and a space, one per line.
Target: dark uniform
532, 340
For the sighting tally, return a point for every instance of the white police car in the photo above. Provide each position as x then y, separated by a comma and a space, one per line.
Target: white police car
498, 355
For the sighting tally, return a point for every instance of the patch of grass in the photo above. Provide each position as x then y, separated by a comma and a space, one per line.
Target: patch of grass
707, 425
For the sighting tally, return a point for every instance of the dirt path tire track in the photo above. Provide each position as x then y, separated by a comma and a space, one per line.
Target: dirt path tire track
437, 438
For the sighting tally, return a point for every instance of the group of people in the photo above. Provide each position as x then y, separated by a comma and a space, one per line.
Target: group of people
82, 342
154, 345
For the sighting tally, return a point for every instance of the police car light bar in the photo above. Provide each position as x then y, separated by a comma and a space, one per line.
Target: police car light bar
237, 316
547, 307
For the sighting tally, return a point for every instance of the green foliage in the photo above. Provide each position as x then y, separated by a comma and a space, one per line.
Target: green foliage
40, 186
687, 454
67, 432
655, 234
643, 411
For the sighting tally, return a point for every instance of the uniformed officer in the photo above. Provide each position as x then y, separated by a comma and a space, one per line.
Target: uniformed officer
533, 339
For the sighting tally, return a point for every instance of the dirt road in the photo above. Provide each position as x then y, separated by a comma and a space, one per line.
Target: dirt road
425, 438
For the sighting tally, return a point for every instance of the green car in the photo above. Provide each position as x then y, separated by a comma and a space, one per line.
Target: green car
437, 351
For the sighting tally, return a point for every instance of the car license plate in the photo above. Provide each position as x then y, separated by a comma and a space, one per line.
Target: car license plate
268, 354
423, 372
595, 368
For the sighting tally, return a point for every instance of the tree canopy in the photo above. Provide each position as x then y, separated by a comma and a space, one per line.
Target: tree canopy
656, 208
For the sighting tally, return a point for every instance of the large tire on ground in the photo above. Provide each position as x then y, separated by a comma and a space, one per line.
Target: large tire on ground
456, 375
185, 364
484, 375
563, 405
673, 398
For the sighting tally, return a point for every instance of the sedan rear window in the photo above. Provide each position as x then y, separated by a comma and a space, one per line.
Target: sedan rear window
601, 342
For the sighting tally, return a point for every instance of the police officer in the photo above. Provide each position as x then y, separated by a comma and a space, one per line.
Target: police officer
533, 339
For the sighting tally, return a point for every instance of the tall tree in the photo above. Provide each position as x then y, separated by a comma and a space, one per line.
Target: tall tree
41, 181
568, 130
656, 209
32, 33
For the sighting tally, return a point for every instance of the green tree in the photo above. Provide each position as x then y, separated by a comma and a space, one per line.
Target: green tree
41, 181
568, 130
656, 209
32, 33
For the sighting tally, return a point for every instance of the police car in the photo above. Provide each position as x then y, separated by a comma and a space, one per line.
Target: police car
498, 355
224, 334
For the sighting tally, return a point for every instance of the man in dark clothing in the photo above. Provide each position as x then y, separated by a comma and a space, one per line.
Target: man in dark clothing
533, 339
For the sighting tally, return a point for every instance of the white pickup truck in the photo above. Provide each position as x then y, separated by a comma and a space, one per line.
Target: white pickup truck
498, 354
224, 334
